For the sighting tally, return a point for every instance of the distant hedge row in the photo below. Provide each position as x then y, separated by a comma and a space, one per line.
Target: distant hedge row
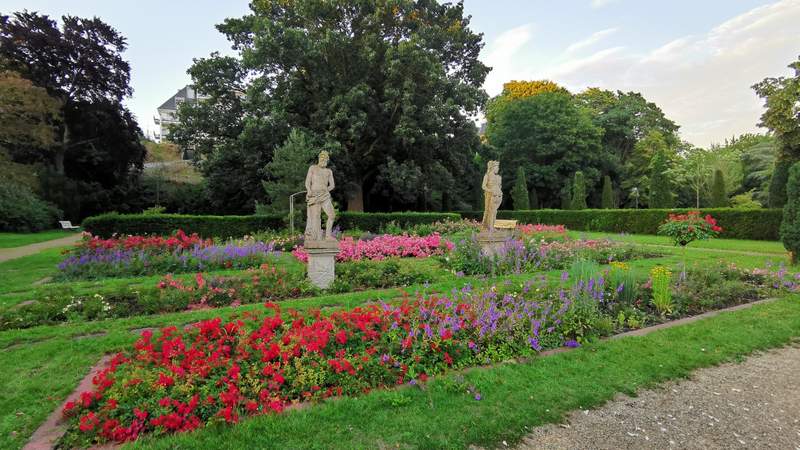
758, 224
106, 225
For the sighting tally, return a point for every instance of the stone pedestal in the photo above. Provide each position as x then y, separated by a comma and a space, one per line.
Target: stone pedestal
492, 242
321, 262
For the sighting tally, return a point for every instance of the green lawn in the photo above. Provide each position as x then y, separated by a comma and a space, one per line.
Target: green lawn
9, 240
40, 366
738, 245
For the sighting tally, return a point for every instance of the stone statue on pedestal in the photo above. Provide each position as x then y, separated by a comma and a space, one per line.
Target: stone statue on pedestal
319, 184
492, 194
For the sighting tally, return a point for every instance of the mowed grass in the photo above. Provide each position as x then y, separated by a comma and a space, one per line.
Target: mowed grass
40, 366
10, 240
736, 245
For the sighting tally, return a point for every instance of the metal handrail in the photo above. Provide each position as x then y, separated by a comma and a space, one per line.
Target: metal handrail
291, 211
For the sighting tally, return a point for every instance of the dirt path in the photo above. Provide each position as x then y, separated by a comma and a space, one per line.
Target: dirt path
18, 252
755, 404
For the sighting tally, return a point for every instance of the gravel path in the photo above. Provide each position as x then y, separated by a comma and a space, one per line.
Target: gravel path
755, 404
25, 250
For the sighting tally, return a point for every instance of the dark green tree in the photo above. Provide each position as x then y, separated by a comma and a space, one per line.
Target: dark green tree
519, 194
377, 81
287, 171
626, 119
781, 96
551, 137
719, 196
777, 184
790, 226
578, 192
608, 193
533, 198
97, 153
660, 183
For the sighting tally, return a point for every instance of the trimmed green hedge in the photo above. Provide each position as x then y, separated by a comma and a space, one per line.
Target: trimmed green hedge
106, 225
235, 226
373, 222
757, 224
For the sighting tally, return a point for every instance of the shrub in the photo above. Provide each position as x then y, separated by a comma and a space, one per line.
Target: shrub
660, 184
519, 194
684, 229
607, 202
578, 191
719, 197
790, 226
777, 184
22, 211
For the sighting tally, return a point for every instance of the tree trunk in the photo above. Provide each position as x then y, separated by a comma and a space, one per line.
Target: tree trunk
355, 201
58, 158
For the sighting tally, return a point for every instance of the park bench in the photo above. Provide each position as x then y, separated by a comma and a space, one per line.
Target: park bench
67, 225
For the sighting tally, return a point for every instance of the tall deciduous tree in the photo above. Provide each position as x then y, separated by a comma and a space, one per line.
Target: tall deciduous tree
719, 197
627, 118
97, 157
782, 115
551, 137
519, 194
377, 80
80, 63
28, 114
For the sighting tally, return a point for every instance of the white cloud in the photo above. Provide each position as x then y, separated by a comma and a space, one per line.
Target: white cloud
601, 3
500, 57
591, 40
701, 81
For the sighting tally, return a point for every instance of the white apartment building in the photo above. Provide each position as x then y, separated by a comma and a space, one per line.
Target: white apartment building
168, 112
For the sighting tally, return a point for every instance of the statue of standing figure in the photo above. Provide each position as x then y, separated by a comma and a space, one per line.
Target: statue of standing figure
319, 184
492, 194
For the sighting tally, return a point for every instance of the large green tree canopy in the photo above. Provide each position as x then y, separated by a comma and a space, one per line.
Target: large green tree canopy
378, 82
551, 137
97, 155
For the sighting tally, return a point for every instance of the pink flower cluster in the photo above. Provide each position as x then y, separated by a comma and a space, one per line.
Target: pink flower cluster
528, 229
386, 246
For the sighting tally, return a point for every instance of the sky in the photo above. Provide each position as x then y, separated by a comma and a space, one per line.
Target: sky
696, 59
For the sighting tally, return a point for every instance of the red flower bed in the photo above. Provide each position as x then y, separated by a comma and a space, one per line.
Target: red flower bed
218, 372
178, 240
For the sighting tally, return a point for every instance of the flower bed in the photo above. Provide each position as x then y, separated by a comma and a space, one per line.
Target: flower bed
142, 255
529, 255
62, 303
217, 372
386, 246
540, 231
